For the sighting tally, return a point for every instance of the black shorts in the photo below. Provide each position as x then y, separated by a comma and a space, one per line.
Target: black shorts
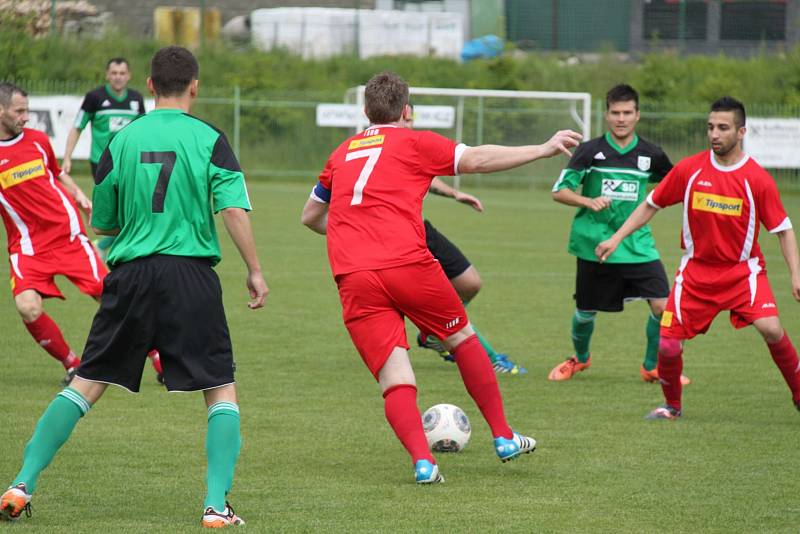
606, 286
169, 303
452, 260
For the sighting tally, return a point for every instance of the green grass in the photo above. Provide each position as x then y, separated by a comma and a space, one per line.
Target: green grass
319, 456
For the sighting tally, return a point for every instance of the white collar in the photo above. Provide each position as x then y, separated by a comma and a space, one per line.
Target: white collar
738, 165
13, 140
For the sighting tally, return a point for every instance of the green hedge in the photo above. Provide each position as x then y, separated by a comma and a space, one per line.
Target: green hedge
662, 77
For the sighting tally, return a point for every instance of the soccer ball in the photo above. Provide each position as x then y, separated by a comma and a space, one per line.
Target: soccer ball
446, 427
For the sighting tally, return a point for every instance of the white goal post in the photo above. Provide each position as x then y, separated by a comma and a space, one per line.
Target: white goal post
480, 116
582, 118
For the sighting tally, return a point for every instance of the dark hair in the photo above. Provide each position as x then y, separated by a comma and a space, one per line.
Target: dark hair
117, 61
172, 69
385, 96
728, 103
7, 90
622, 93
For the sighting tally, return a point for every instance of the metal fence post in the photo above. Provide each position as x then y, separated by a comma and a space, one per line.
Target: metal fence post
479, 126
52, 17
237, 112
598, 118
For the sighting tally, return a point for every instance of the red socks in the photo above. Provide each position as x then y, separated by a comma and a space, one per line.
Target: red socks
47, 334
155, 357
670, 366
481, 383
400, 406
785, 357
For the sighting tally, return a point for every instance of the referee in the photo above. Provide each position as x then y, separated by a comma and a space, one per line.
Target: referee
158, 184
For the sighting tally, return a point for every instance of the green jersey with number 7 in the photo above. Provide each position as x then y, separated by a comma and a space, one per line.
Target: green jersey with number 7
152, 177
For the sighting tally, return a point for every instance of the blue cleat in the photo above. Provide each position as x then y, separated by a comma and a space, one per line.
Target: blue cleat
508, 449
502, 365
433, 343
426, 472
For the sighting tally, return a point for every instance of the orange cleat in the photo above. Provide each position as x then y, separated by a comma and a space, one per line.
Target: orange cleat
14, 501
652, 376
224, 519
566, 370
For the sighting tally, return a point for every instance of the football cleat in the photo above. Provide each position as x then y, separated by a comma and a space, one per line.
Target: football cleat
508, 449
664, 412
797, 405
226, 518
652, 376
67, 380
426, 472
568, 369
14, 501
433, 343
502, 365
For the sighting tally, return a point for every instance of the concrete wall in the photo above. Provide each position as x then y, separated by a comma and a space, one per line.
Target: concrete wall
137, 17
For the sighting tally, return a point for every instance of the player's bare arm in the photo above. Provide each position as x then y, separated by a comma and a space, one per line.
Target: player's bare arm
640, 216
570, 198
441, 188
788, 243
72, 141
237, 222
104, 231
72, 188
493, 158
315, 216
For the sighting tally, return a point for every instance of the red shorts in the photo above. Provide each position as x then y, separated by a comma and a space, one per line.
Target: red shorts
77, 261
374, 304
701, 291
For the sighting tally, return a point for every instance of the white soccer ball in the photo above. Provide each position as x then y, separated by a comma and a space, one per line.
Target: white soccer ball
446, 427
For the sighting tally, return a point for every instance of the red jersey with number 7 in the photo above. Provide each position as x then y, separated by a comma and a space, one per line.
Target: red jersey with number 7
38, 212
377, 180
723, 207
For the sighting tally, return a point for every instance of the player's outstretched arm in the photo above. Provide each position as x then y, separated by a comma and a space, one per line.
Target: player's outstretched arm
237, 222
315, 216
493, 158
640, 216
571, 198
788, 243
440, 187
72, 141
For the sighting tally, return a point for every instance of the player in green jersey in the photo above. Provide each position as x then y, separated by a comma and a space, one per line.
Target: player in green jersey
613, 172
158, 184
109, 108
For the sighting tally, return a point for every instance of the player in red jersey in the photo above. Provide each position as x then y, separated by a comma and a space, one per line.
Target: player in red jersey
369, 203
726, 196
39, 205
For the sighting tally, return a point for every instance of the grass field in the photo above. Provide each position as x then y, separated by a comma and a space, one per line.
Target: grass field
319, 456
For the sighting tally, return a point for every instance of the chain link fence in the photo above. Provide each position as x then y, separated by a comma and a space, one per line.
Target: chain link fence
276, 137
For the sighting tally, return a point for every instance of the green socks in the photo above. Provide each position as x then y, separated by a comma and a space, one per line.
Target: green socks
52, 431
653, 335
222, 450
582, 328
